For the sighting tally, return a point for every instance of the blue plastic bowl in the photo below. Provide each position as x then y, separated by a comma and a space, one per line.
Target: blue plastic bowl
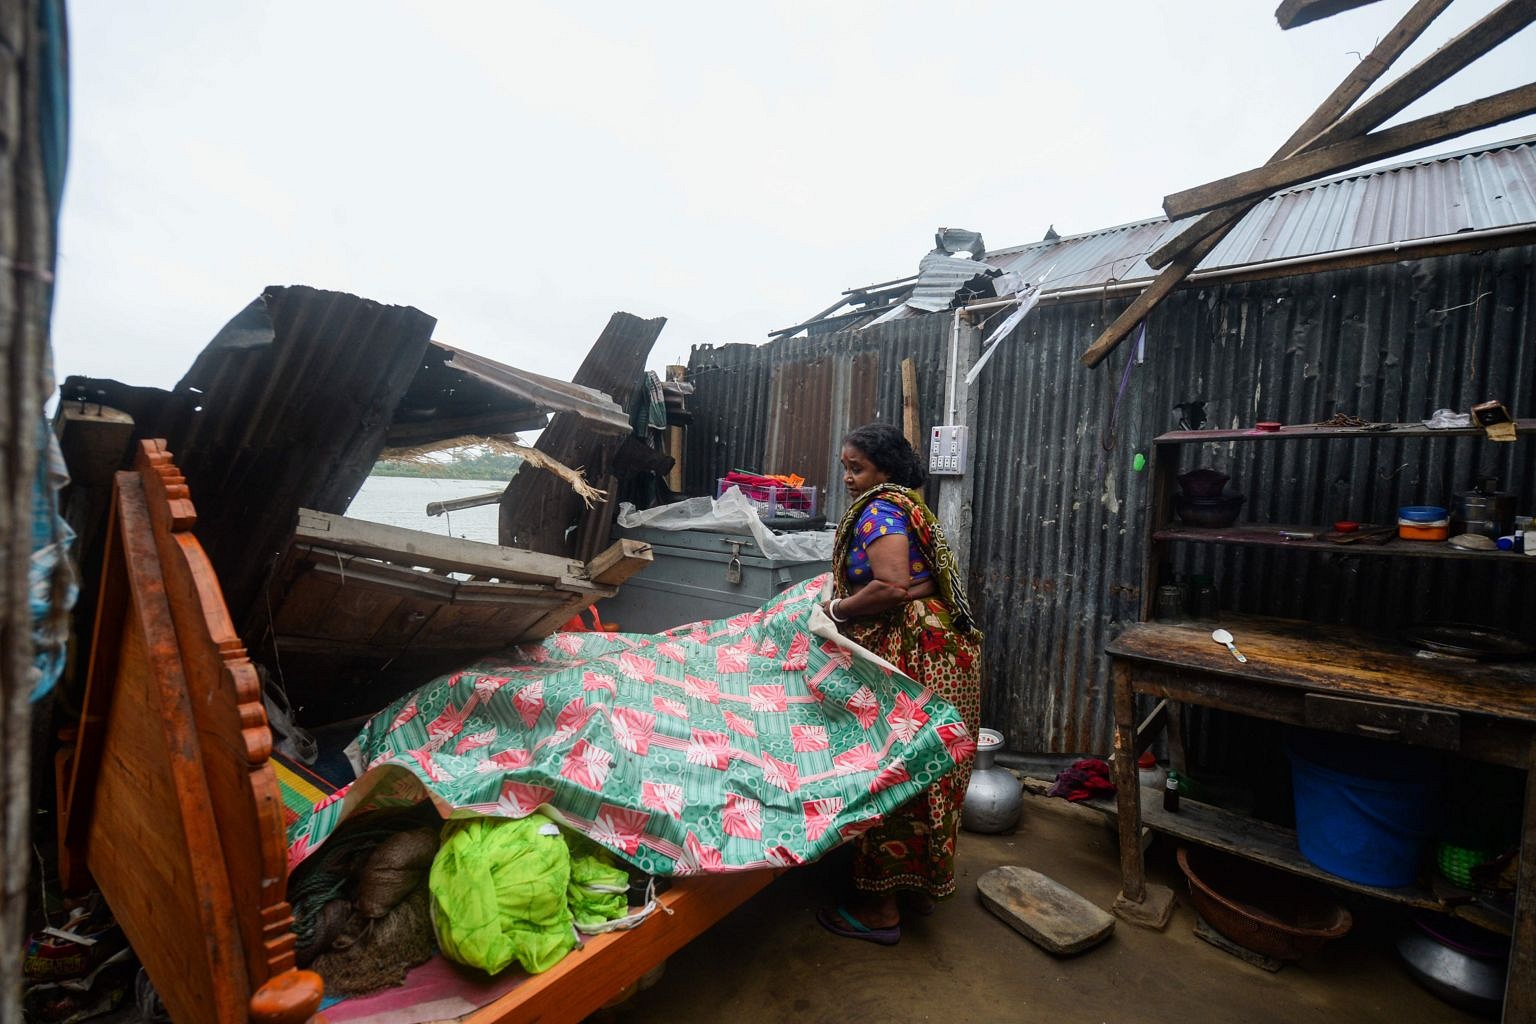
1422, 513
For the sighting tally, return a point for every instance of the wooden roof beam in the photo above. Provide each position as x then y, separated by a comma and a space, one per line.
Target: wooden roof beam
1185, 252
1172, 276
1476, 40
1404, 138
1364, 75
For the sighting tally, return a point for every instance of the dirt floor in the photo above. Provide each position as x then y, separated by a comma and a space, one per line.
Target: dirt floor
771, 962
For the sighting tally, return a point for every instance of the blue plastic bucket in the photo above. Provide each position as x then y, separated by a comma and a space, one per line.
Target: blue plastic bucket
1365, 811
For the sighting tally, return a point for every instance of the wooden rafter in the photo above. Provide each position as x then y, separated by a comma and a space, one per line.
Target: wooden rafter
1292, 13
1341, 135
1362, 149
1364, 75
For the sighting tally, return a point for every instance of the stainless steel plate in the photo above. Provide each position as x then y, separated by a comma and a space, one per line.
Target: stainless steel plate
1478, 642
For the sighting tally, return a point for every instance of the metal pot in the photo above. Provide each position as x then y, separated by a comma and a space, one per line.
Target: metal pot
1485, 510
994, 800
1212, 513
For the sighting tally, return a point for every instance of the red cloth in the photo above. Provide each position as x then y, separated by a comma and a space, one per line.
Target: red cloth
1085, 780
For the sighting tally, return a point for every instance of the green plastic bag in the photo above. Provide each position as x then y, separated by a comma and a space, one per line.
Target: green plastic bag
499, 893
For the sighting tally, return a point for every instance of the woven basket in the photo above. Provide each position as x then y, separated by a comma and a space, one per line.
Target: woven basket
1456, 862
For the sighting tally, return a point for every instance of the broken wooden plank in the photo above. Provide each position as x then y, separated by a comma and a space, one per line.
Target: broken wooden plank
1043, 910
557, 617
1404, 138
675, 437
621, 560
353, 569
538, 510
1293, 13
911, 429
94, 440
1312, 131
412, 547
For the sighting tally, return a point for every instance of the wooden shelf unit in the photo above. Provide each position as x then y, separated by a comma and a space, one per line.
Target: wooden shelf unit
1272, 536
1276, 847
1315, 676
1312, 432
1166, 530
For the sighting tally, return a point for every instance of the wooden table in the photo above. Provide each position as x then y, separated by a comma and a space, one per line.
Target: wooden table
1332, 678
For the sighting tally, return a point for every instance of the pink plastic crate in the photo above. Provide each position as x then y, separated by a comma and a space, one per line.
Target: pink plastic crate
775, 502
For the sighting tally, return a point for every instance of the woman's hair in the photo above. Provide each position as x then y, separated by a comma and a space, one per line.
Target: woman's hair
884, 445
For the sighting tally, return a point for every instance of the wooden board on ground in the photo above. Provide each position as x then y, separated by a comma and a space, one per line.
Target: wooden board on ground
1043, 910
1203, 930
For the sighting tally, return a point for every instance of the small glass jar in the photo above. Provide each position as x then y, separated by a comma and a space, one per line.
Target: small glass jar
1170, 602
1206, 601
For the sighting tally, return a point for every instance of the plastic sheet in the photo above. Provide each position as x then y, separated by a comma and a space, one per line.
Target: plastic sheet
732, 512
1446, 419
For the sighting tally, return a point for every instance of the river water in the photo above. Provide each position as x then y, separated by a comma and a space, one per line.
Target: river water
402, 501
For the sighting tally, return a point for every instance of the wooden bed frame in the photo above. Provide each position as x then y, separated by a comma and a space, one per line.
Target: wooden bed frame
167, 802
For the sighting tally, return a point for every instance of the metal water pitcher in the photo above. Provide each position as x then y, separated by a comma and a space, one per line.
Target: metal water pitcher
994, 799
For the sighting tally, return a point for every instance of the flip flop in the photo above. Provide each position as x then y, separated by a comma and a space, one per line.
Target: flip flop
839, 922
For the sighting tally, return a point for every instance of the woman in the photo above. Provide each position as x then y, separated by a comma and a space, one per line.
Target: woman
898, 594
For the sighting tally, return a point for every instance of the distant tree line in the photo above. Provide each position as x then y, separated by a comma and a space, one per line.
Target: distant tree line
466, 465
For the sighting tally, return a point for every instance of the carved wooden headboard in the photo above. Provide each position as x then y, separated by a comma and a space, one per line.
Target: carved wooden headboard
167, 800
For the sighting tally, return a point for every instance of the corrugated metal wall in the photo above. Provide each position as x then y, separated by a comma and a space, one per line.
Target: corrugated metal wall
1057, 541
781, 408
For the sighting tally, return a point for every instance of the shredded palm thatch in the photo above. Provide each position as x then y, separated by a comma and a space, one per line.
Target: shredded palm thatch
502, 446
585, 491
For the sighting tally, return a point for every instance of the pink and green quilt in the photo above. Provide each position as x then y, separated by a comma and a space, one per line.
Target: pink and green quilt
762, 740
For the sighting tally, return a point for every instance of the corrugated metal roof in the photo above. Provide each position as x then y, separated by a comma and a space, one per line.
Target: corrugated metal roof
1441, 195
1470, 190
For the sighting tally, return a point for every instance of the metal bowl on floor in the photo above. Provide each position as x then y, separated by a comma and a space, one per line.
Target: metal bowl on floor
1259, 908
1457, 961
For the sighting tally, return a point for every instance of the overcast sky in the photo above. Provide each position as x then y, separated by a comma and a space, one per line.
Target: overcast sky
520, 170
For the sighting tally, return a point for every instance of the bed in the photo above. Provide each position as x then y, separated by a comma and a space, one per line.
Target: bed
168, 802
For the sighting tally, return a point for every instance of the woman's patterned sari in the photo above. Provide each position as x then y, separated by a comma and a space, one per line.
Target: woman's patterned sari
933, 641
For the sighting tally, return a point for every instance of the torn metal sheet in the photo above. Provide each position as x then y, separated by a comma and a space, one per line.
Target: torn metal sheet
946, 278
547, 393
